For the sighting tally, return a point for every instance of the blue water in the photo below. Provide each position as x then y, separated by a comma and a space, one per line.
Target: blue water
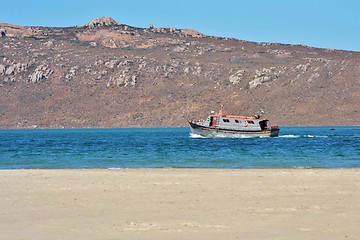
297, 147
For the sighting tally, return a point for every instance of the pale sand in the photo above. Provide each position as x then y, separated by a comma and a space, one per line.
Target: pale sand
180, 204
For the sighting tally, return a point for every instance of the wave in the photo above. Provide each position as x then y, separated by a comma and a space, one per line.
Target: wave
315, 136
307, 167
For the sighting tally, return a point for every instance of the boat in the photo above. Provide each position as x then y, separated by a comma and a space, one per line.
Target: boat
220, 125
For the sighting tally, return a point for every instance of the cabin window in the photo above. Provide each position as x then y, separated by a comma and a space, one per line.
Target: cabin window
250, 122
226, 120
237, 121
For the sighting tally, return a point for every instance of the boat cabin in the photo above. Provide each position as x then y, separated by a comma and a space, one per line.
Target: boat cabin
233, 122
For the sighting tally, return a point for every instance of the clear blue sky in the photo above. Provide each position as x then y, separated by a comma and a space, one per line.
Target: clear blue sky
318, 23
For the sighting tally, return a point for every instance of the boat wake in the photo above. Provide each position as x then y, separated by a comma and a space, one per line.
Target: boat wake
289, 136
221, 135
301, 136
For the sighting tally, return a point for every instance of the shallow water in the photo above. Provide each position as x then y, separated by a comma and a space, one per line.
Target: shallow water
296, 147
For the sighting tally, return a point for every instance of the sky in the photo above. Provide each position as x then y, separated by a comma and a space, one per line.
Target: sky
333, 24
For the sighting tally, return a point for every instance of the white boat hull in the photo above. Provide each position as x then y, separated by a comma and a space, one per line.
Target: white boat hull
209, 132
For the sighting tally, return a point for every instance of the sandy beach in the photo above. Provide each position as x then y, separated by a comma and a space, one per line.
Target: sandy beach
180, 204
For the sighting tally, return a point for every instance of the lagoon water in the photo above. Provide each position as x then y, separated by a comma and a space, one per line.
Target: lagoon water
296, 147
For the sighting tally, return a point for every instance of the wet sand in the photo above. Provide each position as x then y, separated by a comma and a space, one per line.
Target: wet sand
180, 204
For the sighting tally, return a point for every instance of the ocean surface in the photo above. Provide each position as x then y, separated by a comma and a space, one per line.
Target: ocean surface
296, 147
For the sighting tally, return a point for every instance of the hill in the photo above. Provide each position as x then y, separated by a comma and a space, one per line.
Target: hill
106, 74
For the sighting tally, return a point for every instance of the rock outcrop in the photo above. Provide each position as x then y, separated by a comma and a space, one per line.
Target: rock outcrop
102, 21
264, 75
41, 72
237, 77
10, 30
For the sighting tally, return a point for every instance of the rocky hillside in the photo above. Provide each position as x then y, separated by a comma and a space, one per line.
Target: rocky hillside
106, 74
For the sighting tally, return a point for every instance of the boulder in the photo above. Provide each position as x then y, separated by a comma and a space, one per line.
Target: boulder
10, 70
2, 69
49, 44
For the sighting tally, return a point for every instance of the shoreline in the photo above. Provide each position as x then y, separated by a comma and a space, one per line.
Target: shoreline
180, 203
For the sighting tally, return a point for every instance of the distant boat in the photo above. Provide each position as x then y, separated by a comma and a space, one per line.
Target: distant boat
220, 125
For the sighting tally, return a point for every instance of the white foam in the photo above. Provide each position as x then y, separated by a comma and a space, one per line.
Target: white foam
193, 135
289, 136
